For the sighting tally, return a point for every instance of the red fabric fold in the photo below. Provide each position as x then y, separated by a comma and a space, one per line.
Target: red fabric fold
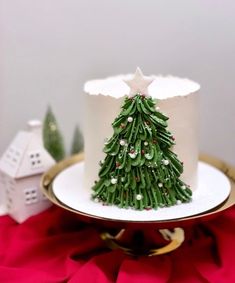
145, 270
219, 267
55, 246
102, 268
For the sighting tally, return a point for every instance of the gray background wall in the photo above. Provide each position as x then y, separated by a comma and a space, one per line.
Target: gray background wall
50, 47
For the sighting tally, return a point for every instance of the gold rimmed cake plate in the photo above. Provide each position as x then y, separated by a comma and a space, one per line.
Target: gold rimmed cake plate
148, 236
62, 184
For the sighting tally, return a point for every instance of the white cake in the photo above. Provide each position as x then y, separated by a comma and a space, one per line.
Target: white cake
177, 98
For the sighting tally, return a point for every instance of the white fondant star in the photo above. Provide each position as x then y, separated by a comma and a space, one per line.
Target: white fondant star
139, 83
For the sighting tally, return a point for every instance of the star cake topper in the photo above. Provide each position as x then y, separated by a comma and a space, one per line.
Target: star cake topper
139, 84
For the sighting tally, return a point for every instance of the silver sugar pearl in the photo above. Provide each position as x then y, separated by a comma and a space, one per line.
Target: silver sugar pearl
139, 197
113, 181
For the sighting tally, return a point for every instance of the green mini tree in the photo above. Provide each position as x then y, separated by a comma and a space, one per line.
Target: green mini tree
52, 137
140, 170
77, 142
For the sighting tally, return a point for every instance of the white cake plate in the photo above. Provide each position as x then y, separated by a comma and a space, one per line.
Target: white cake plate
213, 189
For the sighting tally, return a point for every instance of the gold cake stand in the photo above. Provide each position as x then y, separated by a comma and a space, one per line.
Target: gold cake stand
141, 238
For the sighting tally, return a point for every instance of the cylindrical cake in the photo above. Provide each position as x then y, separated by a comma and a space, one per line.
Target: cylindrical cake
177, 98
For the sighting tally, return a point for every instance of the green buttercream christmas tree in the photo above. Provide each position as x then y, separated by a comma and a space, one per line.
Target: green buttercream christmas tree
52, 137
140, 169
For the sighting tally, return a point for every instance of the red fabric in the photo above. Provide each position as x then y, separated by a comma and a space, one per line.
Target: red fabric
55, 247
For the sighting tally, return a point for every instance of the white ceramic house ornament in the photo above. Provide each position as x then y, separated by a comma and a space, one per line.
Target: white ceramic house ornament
21, 168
